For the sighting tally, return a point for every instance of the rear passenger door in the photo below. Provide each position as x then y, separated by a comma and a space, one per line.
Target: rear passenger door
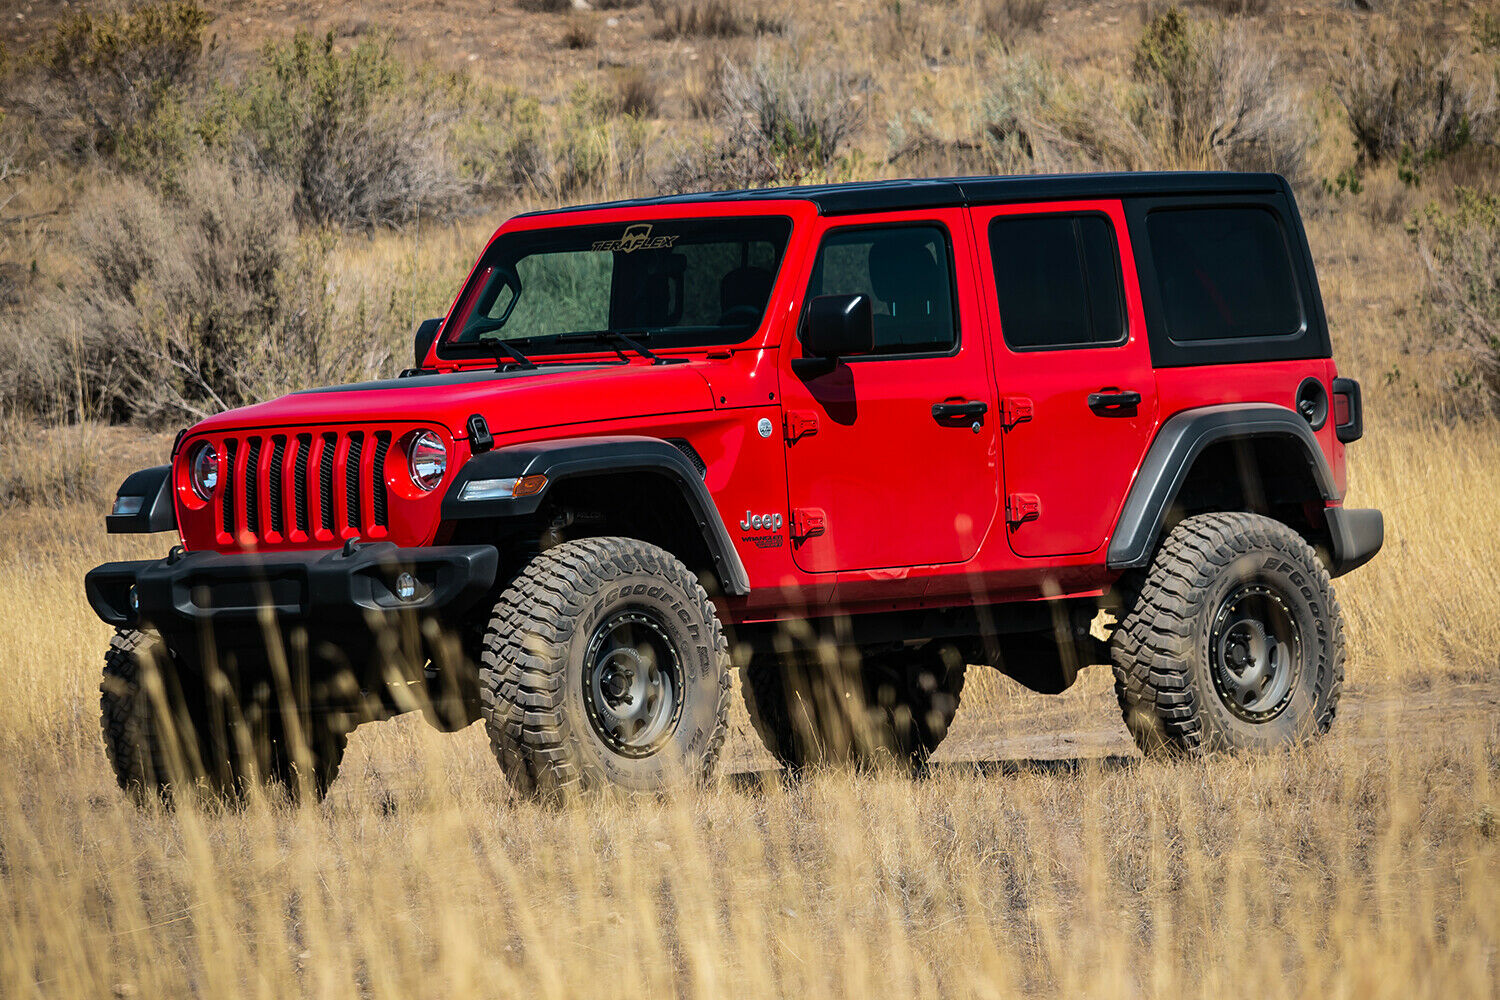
1072, 367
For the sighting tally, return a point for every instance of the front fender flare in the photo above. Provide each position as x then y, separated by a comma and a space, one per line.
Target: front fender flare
1178, 444
572, 457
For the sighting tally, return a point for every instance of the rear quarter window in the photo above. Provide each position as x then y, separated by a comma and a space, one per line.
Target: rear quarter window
1225, 274
1225, 279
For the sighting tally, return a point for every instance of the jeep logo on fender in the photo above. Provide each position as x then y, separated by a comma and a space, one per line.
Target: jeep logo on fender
635, 237
759, 521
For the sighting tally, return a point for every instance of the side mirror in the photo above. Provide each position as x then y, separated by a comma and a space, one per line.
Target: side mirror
426, 333
839, 326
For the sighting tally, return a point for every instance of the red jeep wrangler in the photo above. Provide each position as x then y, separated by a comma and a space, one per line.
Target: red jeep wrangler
864, 434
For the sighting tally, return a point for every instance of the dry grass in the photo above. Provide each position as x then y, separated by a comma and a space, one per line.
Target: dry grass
1041, 856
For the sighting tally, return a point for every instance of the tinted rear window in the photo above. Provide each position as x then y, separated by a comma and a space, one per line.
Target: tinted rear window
1224, 274
1057, 278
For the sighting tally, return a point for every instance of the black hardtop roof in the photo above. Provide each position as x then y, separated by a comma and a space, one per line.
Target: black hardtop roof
948, 192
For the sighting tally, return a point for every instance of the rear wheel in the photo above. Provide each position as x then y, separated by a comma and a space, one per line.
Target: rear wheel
604, 665
1233, 639
162, 736
895, 706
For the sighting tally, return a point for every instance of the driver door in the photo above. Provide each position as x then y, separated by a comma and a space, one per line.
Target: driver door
892, 457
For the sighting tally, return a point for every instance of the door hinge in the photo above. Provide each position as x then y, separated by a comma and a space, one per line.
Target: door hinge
1022, 507
799, 424
1014, 410
807, 522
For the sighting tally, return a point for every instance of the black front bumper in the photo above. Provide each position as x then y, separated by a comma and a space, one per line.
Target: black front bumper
340, 589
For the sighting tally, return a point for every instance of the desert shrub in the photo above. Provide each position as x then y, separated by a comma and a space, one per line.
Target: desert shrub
1036, 121
1236, 8
1207, 97
777, 122
596, 145
709, 19
362, 140
183, 303
1485, 26
782, 121
1461, 251
545, 6
111, 84
501, 142
580, 34
636, 93
1010, 18
1406, 100
703, 88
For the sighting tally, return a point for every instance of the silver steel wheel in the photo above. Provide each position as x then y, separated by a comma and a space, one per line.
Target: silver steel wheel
1255, 652
633, 683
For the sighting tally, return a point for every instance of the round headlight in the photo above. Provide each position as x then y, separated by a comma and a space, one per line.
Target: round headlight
203, 470
427, 460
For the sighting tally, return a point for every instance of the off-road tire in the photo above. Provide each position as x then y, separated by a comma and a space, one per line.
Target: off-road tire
533, 674
894, 707
151, 756
1163, 665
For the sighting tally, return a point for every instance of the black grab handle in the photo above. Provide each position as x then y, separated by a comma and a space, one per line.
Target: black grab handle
1114, 400
952, 411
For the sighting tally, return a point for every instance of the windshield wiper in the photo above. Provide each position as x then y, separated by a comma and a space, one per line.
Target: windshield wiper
505, 354
617, 339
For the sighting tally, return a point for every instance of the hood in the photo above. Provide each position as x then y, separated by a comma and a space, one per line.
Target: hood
509, 401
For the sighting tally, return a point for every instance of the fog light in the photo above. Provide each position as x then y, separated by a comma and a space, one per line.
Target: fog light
406, 587
134, 597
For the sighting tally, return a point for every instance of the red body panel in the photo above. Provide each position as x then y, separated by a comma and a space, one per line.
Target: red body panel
1077, 463
913, 511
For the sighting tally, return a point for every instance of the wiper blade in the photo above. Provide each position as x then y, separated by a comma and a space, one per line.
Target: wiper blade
506, 353
617, 339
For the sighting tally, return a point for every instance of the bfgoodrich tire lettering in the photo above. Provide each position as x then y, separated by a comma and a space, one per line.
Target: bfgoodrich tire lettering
542, 663
1180, 675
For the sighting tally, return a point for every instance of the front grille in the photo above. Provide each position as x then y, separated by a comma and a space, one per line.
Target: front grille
299, 481
325, 480
351, 477
252, 488
382, 445
278, 512
269, 495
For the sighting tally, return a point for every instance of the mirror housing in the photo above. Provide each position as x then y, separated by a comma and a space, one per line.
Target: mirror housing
427, 332
839, 326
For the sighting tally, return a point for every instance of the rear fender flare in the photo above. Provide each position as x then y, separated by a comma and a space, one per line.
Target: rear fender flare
570, 458
1178, 444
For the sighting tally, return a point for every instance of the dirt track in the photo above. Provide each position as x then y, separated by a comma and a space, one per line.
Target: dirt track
1084, 726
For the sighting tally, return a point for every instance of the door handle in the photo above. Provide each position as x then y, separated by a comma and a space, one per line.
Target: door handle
1113, 400
953, 411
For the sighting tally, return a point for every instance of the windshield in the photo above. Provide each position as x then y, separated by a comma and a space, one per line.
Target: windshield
674, 282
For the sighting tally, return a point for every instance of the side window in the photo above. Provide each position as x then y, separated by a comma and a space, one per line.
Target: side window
1057, 278
907, 271
1224, 274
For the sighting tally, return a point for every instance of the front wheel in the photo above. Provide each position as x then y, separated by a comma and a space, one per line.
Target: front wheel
1233, 639
164, 733
604, 665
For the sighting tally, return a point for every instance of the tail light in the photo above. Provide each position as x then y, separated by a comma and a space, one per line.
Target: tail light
1348, 410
